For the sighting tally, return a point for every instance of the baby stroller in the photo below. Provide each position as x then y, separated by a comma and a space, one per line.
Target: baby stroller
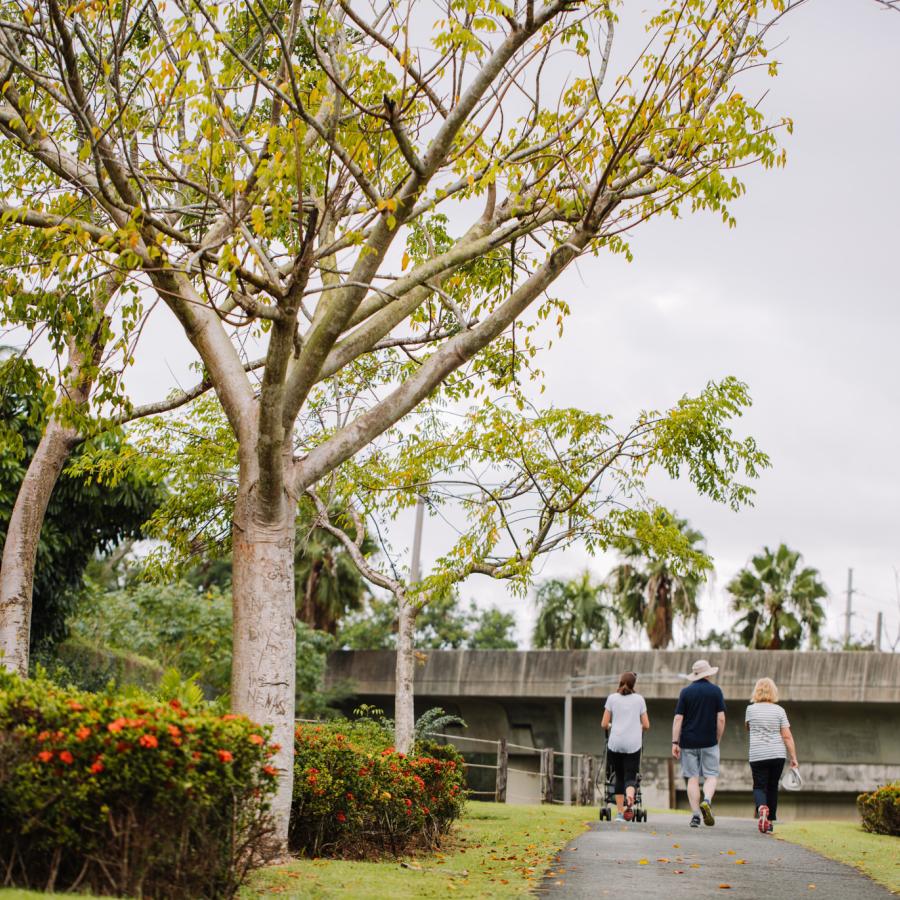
606, 786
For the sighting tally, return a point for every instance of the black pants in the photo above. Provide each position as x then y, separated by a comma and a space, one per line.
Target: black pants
766, 775
626, 767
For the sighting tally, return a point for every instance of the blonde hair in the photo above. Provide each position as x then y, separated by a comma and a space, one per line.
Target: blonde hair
765, 691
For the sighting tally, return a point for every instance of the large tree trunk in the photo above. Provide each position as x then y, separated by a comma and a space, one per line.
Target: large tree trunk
263, 667
22, 537
404, 711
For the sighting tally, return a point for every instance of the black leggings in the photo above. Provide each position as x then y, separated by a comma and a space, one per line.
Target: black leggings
766, 775
626, 767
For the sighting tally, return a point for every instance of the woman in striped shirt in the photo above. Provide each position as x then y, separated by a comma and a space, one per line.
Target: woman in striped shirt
771, 742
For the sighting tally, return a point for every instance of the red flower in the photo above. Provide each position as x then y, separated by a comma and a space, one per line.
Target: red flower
117, 725
175, 703
83, 733
311, 779
312, 771
407, 801
74, 704
256, 739
123, 747
97, 767
45, 756
339, 737
44, 736
149, 741
270, 770
66, 757
174, 730
224, 756
196, 754
341, 817
230, 717
349, 796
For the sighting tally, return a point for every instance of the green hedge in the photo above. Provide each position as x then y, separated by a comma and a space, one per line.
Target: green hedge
880, 809
354, 795
125, 795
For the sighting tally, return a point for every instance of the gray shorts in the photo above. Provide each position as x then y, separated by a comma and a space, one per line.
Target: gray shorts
702, 763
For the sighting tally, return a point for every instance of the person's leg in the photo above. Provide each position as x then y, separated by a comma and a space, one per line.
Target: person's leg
709, 787
693, 792
709, 768
619, 767
760, 772
776, 767
631, 764
690, 769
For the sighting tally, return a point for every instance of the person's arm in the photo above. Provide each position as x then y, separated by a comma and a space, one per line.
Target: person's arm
720, 726
676, 735
645, 721
789, 743
607, 720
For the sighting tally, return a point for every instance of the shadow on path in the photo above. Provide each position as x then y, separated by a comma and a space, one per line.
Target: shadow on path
667, 858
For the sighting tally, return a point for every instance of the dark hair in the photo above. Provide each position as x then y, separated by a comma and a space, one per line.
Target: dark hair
626, 682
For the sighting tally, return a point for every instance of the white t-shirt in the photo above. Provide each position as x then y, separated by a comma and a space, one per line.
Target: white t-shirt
766, 721
626, 734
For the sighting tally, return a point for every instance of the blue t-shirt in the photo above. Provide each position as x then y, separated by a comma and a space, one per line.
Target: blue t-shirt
699, 703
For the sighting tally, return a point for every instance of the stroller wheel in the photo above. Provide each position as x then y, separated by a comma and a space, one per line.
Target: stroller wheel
605, 814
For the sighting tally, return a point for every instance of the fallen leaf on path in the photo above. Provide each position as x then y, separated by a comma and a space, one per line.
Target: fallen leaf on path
679, 871
731, 852
812, 887
740, 862
695, 865
643, 862
663, 859
725, 887
676, 846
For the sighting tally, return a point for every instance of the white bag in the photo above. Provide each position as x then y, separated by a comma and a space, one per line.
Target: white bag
791, 780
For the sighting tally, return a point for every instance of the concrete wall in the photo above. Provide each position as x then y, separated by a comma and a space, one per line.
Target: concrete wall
844, 710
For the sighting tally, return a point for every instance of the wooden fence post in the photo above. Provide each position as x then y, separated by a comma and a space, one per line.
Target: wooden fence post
502, 770
547, 775
586, 780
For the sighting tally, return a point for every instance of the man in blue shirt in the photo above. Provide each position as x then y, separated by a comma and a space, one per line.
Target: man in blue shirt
696, 731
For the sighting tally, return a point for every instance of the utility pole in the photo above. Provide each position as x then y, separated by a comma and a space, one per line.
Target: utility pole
415, 563
849, 612
879, 625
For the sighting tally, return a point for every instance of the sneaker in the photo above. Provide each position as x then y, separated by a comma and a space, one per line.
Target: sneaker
620, 817
764, 822
629, 808
770, 829
706, 811
695, 820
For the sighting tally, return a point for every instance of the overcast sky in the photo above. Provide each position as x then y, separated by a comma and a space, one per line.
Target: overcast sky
799, 301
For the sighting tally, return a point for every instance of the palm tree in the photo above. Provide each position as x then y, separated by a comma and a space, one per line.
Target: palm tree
327, 584
649, 593
779, 601
572, 615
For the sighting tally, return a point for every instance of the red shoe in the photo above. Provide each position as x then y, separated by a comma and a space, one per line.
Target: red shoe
764, 820
629, 812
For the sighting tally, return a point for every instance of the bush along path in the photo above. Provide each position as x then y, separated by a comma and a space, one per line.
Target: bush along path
667, 858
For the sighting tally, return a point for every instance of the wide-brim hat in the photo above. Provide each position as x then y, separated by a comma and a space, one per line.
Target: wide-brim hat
702, 669
792, 780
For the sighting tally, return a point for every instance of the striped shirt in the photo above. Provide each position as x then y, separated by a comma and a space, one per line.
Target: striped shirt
766, 721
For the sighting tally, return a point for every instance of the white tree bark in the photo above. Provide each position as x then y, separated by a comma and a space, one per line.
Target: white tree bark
20, 548
404, 712
263, 664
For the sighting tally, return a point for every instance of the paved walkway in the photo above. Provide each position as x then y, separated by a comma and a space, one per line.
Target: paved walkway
666, 858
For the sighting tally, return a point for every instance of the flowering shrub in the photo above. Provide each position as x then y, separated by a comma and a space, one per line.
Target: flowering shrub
880, 809
354, 795
127, 795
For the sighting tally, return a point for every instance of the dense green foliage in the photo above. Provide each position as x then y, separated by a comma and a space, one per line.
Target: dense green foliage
778, 600
126, 795
572, 615
652, 593
355, 795
442, 624
176, 626
880, 809
85, 514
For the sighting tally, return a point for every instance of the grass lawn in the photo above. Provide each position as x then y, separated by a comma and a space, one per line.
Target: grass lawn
496, 850
876, 855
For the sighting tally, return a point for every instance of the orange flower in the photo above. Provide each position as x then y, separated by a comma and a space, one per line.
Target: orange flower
149, 741
44, 736
341, 817
196, 754
98, 766
256, 739
74, 704
224, 756
116, 725
83, 733
175, 704
230, 717
270, 770
174, 730
45, 756
66, 757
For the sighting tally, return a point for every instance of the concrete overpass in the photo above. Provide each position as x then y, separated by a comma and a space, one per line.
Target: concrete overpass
844, 709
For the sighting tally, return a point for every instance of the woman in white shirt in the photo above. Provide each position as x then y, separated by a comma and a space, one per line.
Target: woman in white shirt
771, 742
626, 720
